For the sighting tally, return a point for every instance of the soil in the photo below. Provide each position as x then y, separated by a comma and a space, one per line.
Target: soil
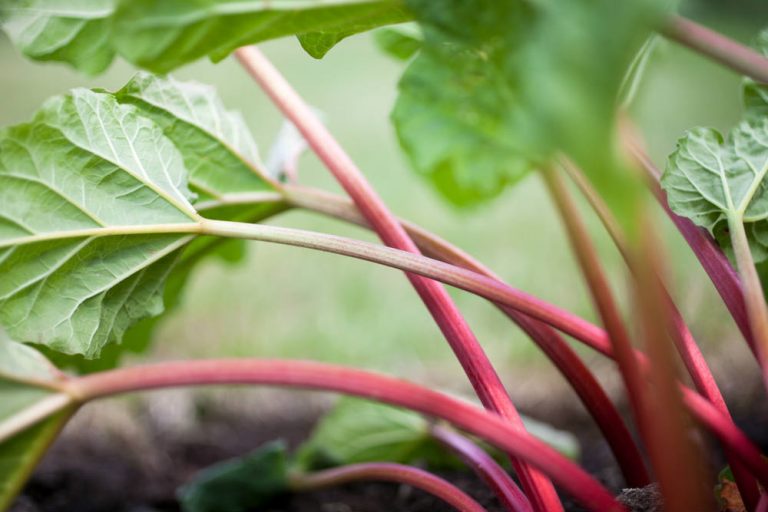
94, 468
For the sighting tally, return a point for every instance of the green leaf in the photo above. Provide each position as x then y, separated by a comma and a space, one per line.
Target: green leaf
399, 41
75, 184
317, 44
75, 32
502, 86
218, 149
161, 36
357, 431
756, 94
240, 484
22, 444
363, 431
711, 178
95, 211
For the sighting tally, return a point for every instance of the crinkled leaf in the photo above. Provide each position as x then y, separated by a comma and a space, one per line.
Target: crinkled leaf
20, 369
93, 214
711, 178
400, 41
161, 36
501, 86
108, 178
75, 32
240, 484
218, 149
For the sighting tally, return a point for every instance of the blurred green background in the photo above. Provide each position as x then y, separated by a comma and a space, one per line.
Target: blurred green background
287, 302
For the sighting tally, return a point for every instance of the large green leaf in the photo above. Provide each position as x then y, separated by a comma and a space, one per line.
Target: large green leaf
95, 211
241, 484
76, 31
503, 85
161, 36
711, 178
22, 372
75, 184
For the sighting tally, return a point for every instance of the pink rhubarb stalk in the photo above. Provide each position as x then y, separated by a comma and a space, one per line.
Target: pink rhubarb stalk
565, 359
686, 345
319, 376
470, 354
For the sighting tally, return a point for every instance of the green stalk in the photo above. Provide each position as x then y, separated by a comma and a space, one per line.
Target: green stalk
754, 297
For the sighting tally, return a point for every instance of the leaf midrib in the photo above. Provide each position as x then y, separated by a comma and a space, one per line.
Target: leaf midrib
139, 229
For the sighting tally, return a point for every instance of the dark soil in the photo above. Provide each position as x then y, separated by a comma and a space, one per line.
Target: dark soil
104, 473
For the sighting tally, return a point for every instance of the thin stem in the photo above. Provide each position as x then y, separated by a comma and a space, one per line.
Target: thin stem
571, 366
717, 47
507, 491
319, 376
602, 297
454, 327
686, 345
754, 298
388, 472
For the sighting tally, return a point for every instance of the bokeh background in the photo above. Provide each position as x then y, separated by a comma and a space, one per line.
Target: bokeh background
287, 302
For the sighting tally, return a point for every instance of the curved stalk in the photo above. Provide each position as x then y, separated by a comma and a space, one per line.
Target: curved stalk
507, 491
319, 376
473, 359
417, 264
388, 472
592, 336
565, 359
717, 47
686, 345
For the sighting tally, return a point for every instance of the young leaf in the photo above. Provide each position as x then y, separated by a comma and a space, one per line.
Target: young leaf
75, 183
502, 86
75, 32
161, 36
241, 484
21, 368
710, 178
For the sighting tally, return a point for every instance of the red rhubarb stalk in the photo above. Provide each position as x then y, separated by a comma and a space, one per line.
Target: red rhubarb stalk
319, 376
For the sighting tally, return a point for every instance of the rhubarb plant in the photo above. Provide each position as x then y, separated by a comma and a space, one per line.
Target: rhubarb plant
110, 199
